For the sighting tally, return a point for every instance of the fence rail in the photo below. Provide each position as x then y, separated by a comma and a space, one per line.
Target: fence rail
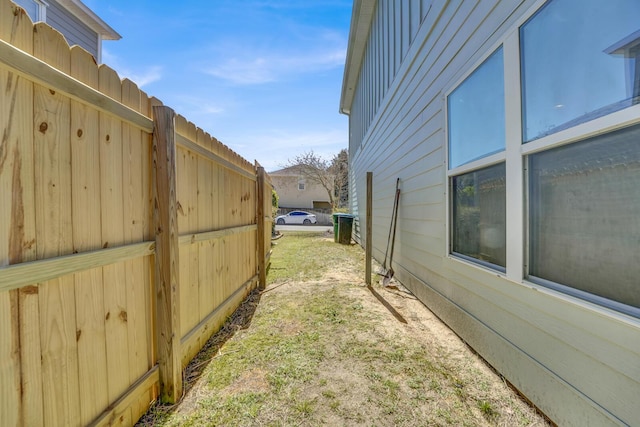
127, 236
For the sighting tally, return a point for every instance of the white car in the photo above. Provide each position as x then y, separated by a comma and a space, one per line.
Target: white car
296, 217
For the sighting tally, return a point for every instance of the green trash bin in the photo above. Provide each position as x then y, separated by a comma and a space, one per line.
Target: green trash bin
335, 226
345, 227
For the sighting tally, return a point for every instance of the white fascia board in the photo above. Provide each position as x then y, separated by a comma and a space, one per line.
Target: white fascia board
86, 15
361, 18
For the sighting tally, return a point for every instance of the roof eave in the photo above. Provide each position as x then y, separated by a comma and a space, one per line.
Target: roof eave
361, 18
89, 17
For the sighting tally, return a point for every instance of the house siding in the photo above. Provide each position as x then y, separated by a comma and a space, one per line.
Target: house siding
576, 361
290, 196
73, 29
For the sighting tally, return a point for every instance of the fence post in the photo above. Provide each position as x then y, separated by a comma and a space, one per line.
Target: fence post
262, 273
167, 261
369, 217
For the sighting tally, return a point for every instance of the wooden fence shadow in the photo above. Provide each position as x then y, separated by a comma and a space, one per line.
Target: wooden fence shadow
239, 320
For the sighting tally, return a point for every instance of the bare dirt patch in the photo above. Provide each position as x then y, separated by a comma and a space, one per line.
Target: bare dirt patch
318, 348
252, 381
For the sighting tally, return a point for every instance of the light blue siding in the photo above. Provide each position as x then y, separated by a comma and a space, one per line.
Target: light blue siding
74, 30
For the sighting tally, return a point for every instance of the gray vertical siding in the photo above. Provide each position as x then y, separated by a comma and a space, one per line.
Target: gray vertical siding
396, 24
579, 364
74, 30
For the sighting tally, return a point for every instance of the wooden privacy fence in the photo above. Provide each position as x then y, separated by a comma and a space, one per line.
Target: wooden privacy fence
127, 236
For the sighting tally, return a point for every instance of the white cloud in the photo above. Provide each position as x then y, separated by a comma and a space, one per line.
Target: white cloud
200, 105
144, 77
244, 72
141, 77
272, 149
269, 67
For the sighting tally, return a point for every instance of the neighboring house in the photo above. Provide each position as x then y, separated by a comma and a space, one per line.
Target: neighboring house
514, 128
296, 191
77, 23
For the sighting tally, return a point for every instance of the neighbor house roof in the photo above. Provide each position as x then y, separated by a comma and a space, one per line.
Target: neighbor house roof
93, 21
291, 170
361, 18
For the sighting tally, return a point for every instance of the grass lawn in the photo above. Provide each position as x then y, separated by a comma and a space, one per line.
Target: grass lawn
318, 348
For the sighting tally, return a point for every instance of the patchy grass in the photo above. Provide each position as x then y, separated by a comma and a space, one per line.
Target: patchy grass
308, 256
320, 349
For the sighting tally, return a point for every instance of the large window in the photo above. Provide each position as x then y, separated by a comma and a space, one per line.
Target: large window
584, 215
476, 131
476, 113
479, 215
579, 61
543, 160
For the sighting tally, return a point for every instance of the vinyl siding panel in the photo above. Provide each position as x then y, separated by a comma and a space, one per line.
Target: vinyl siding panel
576, 361
393, 31
414, 20
286, 185
74, 30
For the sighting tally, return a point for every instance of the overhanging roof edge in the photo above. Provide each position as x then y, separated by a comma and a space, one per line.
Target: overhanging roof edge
89, 17
361, 18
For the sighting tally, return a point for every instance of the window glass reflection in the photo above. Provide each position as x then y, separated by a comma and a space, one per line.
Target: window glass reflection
476, 113
479, 215
584, 215
579, 61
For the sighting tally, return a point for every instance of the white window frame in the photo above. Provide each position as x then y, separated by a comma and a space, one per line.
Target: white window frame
515, 157
41, 10
484, 162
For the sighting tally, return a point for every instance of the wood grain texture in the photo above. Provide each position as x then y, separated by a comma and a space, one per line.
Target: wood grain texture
44, 74
85, 158
167, 264
262, 272
205, 222
112, 225
134, 199
117, 413
11, 404
213, 321
187, 189
17, 232
216, 177
28, 273
220, 159
54, 235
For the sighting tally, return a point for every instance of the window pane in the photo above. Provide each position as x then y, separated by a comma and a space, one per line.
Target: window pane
585, 216
476, 113
479, 215
579, 62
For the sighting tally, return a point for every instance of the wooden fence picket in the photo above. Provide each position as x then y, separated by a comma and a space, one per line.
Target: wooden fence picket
52, 112
87, 236
261, 227
112, 221
19, 315
136, 144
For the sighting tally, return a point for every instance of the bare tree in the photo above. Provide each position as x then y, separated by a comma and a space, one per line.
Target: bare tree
339, 168
330, 175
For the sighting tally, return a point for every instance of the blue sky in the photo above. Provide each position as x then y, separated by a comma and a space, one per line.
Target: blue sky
262, 76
